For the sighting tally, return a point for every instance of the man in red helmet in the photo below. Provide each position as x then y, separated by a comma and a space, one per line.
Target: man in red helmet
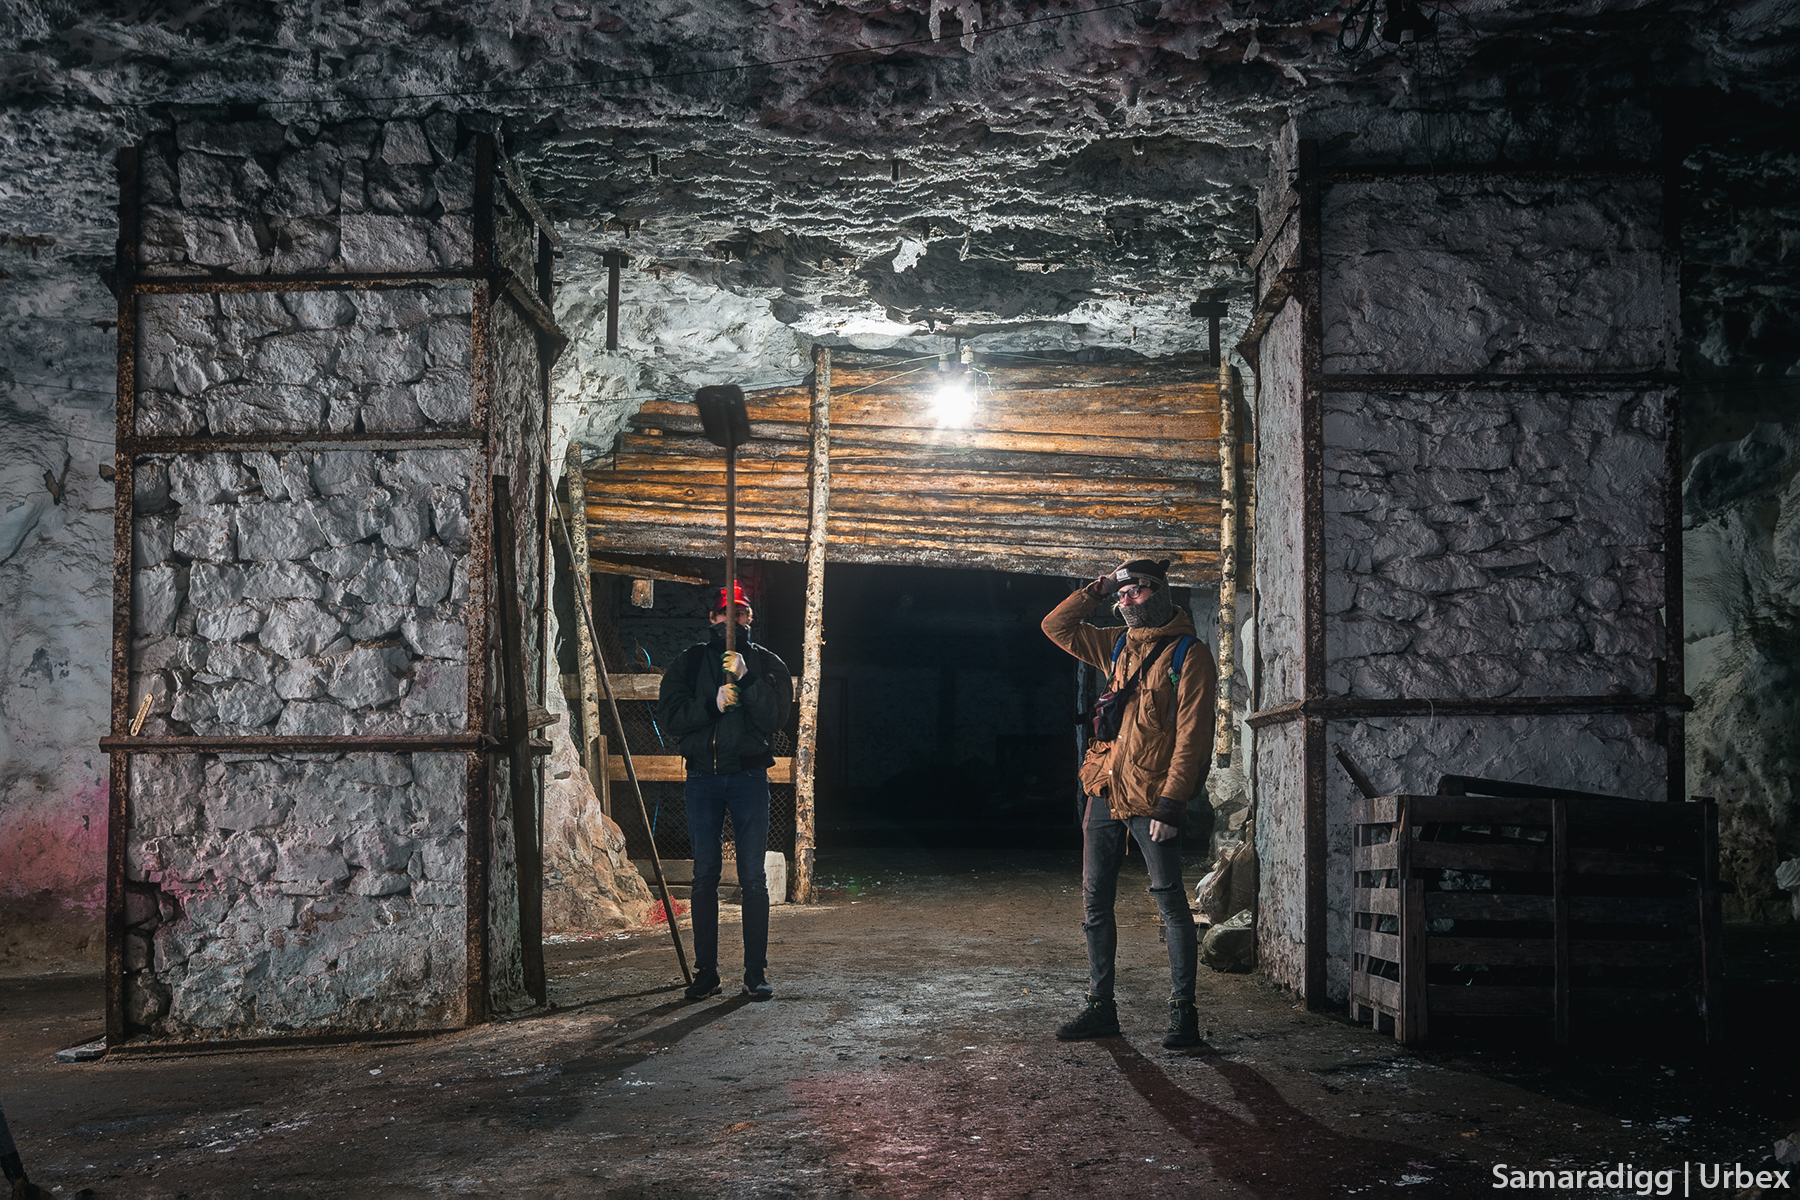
726, 708
1140, 772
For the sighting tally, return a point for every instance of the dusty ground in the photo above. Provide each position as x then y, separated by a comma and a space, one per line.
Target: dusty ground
907, 1053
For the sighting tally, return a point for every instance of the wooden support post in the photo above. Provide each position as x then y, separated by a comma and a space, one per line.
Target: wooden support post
806, 764
593, 742
1228, 473
528, 852
1712, 960
1559, 886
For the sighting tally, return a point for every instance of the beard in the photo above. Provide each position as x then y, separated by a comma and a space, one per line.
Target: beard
1156, 610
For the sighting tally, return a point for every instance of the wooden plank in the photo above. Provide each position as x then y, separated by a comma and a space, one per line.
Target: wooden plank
1384, 946
1480, 857
1412, 1026
1672, 952
1488, 906
1089, 441
1494, 951
1384, 994
672, 768
1491, 1001
1380, 857
1625, 862
1481, 810
1378, 810
1632, 910
1385, 901
1633, 1002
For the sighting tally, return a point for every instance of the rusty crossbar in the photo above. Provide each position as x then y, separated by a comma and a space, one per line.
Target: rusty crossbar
1349, 707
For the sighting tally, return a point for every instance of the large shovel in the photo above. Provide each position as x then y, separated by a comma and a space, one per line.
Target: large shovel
726, 422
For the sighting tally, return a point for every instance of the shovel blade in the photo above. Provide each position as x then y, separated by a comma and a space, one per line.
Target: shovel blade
723, 417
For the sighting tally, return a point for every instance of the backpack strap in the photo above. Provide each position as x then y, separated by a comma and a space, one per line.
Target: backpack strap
1180, 659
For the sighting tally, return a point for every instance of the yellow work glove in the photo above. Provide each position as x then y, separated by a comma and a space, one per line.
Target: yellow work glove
727, 697
735, 663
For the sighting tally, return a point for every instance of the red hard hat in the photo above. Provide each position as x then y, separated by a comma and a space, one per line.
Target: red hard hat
738, 598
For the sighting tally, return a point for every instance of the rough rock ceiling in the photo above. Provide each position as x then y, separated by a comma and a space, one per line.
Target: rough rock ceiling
1046, 176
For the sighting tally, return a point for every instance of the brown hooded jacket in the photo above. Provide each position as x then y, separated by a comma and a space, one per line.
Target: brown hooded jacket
1165, 740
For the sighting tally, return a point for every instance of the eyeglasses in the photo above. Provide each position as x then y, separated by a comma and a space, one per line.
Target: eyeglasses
1134, 590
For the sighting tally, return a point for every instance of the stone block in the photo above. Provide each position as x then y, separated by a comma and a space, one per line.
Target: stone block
341, 563
259, 408
386, 578
366, 678
205, 535
228, 624
301, 679
240, 660
347, 519
255, 799
374, 622
313, 719
445, 895
246, 705
343, 472
387, 409
437, 687
310, 865
404, 190
276, 532
238, 139
370, 242
213, 585
403, 142
450, 519
156, 596
436, 638
281, 581
206, 181
298, 629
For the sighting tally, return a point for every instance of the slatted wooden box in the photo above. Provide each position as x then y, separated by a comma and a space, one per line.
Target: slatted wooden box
1551, 905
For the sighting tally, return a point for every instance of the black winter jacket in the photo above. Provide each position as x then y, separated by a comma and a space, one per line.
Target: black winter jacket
741, 738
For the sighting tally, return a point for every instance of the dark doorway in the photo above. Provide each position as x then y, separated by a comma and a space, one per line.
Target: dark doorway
945, 717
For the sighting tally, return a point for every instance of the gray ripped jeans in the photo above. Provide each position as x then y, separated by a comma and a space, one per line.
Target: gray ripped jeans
1103, 850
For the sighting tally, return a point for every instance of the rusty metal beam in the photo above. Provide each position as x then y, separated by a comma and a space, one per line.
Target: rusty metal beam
515, 187
1527, 381
1339, 708
1425, 173
1312, 549
479, 797
379, 743
118, 809
423, 439
175, 285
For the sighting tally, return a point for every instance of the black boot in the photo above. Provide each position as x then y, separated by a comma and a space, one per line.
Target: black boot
1184, 1026
706, 983
1100, 1018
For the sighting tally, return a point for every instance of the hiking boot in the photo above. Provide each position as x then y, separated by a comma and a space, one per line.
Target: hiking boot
756, 986
1184, 1026
706, 983
1099, 1018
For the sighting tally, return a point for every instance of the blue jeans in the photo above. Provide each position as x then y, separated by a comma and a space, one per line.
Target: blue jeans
745, 796
1103, 850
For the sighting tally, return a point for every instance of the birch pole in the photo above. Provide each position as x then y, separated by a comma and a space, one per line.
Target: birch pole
1228, 526
593, 742
806, 749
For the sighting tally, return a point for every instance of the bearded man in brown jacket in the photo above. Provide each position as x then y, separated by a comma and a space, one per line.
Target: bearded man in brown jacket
1138, 782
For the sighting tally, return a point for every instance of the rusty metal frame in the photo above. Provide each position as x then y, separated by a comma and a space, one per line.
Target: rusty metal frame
1302, 279
1310, 287
477, 744
1343, 708
118, 819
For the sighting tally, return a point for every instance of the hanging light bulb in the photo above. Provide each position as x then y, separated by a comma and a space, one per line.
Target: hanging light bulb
953, 403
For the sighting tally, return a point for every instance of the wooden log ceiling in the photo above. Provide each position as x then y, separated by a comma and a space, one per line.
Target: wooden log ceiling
1064, 469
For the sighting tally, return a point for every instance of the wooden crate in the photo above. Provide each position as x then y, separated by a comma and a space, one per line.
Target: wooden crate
1560, 906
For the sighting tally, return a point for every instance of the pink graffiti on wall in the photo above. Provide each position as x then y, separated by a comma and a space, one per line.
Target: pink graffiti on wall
57, 850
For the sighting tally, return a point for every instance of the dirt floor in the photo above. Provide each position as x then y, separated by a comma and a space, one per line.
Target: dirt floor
907, 1053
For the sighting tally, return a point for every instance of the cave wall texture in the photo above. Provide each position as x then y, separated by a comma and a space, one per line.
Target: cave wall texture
1070, 185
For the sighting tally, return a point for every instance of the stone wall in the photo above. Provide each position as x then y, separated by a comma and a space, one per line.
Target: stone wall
275, 894
302, 592
255, 197
319, 591
1482, 542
